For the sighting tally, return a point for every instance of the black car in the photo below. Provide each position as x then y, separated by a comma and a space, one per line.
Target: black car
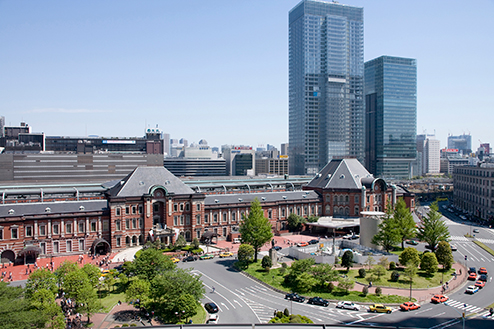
472, 270
189, 259
295, 297
318, 301
314, 241
483, 277
211, 307
277, 248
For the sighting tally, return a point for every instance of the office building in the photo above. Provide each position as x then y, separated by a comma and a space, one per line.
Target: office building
240, 160
462, 142
326, 76
391, 116
428, 148
2, 125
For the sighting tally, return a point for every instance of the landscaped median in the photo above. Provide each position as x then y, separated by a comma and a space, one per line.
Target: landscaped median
276, 279
483, 246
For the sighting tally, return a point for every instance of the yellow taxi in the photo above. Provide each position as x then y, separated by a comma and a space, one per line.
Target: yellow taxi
380, 308
175, 260
105, 272
226, 254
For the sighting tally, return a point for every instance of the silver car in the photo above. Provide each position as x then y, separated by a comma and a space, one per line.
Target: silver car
348, 305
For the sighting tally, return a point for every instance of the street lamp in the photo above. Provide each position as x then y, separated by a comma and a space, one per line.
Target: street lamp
461, 314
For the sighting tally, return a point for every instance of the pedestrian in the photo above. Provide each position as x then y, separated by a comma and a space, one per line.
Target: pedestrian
213, 289
460, 271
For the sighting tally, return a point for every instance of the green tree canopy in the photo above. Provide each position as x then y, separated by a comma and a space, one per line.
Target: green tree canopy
266, 262
52, 316
245, 253
410, 256
63, 269
429, 263
93, 273
347, 259
41, 278
405, 224
255, 229
387, 236
16, 311
181, 242
294, 222
138, 289
444, 255
77, 285
433, 229
150, 263
323, 273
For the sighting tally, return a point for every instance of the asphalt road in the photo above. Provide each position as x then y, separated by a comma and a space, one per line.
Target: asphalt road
242, 300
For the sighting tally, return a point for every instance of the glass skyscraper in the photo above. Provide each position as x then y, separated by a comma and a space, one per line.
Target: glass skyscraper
326, 77
391, 116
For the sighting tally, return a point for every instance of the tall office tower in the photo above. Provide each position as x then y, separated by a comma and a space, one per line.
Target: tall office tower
462, 142
429, 149
390, 116
326, 77
2, 124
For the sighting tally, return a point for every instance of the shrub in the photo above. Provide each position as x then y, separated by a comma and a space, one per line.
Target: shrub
365, 291
330, 287
395, 276
279, 314
361, 273
392, 266
282, 270
266, 263
286, 312
379, 291
284, 265
125, 325
133, 325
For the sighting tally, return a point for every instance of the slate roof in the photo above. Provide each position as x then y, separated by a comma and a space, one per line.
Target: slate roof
342, 174
247, 198
142, 179
58, 207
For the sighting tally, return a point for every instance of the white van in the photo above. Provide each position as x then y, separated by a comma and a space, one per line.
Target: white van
236, 240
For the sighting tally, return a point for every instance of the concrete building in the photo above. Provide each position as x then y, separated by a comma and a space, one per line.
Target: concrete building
428, 148
326, 84
451, 158
272, 166
462, 142
240, 160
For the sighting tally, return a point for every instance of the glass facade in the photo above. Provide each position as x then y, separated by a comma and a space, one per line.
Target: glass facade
391, 116
326, 76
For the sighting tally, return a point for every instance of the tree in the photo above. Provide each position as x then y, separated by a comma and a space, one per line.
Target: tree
255, 229
323, 273
63, 269
16, 311
346, 284
405, 224
150, 263
444, 255
184, 305
245, 253
429, 263
109, 282
410, 256
43, 300
304, 282
138, 290
383, 261
77, 286
181, 242
195, 243
294, 222
41, 278
370, 261
411, 272
266, 263
93, 273
432, 228
298, 267
379, 271
361, 272
347, 260
312, 219
388, 236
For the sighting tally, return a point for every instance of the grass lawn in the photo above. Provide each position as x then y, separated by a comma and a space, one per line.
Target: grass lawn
111, 299
275, 279
201, 315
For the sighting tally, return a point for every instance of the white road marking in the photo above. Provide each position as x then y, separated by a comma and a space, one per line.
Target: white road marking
225, 306
367, 319
236, 301
422, 311
436, 315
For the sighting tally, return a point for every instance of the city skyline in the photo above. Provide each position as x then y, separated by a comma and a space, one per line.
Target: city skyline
115, 68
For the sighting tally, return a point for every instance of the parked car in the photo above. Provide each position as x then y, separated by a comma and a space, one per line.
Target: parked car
277, 248
472, 270
295, 297
476, 230
226, 254
453, 247
211, 307
207, 256
472, 276
318, 301
175, 260
482, 270
483, 277
409, 306
213, 318
313, 241
189, 259
471, 290
480, 284
412, 242
302, 244
348, 305
439, 299
380, 308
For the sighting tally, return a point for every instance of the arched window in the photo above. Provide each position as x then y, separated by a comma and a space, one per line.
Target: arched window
127, 241
328, 210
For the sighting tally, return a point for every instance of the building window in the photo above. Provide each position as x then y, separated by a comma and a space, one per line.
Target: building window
117, 211
118, 242
206, 218
224, 231
81, 227
328, 198
282, 212
42, 245
198, 219
346, 198
13, 233
42, 230
270, 214
181, 207
156, 207
134, 223
187, 219
181, 219
234, 216
312, 209
215, 218
357, 199
68, 228
29, 231
117, 225
224, 216
106, 225
56, 247
127, 224
291, 210
328, 210
298, 211
187, 207
198, 234
141, 223
81, 245
305, 210
1, 233
198, 207
134, 209
140, 209
55, 229
356, 210
69, 246
93, 226
175, 220
127, 210
175, 207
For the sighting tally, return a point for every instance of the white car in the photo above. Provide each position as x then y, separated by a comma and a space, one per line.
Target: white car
213, 318
348, 305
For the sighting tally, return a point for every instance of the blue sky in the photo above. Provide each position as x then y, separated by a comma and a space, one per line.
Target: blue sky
218, 70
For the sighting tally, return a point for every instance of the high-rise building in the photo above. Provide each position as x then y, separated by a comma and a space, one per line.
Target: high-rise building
326, 76
391, 116
2, 124
428, 148
462, 142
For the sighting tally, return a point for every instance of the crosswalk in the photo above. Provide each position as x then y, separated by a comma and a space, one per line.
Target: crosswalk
486, 241
459, 238
467, 308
